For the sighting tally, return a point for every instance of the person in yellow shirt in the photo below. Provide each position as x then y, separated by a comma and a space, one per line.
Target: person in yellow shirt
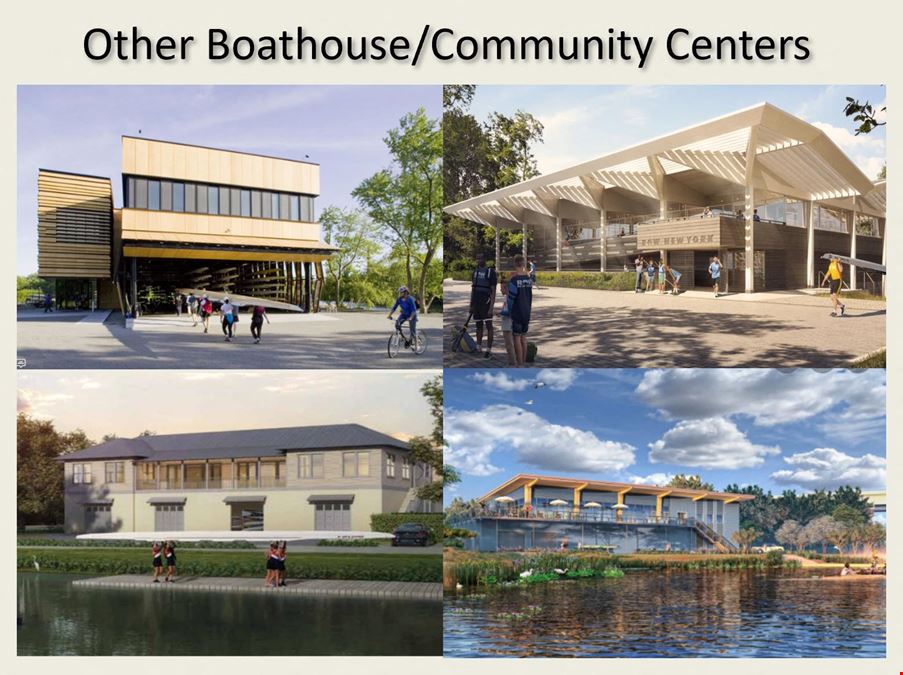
834, 277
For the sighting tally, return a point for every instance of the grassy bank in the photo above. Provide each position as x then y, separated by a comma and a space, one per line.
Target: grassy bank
599, 281
476, 569
363, 566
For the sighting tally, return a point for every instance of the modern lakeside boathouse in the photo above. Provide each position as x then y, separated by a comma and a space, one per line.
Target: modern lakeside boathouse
192, 217
329, 477
765, 191
552, 512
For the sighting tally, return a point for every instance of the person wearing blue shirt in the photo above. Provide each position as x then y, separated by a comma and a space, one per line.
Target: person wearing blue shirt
715, 268
407, 311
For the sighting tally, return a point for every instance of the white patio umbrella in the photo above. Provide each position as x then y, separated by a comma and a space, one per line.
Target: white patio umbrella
620, 506
595, 505
558, 502
505, 500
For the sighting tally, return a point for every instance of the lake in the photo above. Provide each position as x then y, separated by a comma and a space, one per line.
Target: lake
673, 614
61, 619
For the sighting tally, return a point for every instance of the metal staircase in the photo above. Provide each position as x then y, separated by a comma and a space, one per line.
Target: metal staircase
720, 542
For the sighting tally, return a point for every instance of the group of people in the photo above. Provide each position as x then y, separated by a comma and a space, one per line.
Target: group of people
657, 275
276, 564
517, 304
200, 309
164, 552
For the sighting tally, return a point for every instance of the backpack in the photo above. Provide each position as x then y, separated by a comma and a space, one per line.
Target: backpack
463, 342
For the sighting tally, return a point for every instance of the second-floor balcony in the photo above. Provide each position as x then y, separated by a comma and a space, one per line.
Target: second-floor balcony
584, 515
221, 476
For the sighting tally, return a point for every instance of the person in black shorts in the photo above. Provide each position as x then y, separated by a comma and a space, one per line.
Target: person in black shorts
482, 300
272, 577
519, 306
257, 317
157, 551
169, 552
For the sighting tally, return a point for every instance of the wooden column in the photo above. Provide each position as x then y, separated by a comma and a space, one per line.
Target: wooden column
810, 244
557, 243
855, 216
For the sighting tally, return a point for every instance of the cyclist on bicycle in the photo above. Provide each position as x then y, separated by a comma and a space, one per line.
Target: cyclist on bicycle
407, 308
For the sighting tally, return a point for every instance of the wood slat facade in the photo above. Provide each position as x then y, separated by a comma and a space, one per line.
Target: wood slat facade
75, 225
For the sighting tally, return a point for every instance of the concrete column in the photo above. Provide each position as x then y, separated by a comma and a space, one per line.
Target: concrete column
749, 247
134, 284
557, 243
603, 243
810, 244
498, 250
855, 216
882, 232
523, 248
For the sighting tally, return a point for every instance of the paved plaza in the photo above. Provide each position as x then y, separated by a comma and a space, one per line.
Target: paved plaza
615, 329
89, 340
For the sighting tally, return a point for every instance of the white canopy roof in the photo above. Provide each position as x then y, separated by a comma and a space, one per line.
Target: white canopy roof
764, 146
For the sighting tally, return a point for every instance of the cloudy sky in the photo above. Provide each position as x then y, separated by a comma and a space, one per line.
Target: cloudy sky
800, 429
126, 403
586, 122
78, 129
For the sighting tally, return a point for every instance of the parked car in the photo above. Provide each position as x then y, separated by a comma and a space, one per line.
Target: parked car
410, 534
766, 548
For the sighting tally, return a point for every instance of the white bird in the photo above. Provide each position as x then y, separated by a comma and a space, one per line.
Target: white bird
530, 402
524, 575
560, 571
458, 586
539, 384
36, 564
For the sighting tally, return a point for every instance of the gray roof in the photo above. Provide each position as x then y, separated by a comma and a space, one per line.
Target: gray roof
242, 443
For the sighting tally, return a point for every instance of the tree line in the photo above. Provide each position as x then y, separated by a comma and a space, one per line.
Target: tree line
481, 156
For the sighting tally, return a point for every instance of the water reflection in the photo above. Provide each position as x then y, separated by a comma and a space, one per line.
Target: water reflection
62, 619
675, 614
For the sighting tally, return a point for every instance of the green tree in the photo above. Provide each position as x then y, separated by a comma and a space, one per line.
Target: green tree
429, 449
406, 199
790, 533
39, 474
864, 115
745, 537
511, 142
882, 175
352, 232
690, 483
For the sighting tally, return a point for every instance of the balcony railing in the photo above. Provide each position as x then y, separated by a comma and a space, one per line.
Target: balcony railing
237, 483
586, 515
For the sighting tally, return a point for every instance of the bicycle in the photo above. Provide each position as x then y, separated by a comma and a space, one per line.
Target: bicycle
398, 337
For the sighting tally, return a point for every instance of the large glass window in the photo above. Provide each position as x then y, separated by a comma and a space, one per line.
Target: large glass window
81, 474
140, 193
355, 464
165, 195
194, 477
190, 198
390, 465
266, 206
153, 195
235, 198
307, 209
406, 468
223, 201
283, 207
246, 203
255, 204
178, 197
310, 465
294, 209
246, 474
130, 193
114, 472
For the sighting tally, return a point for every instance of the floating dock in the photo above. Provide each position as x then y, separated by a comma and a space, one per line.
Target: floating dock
332, 588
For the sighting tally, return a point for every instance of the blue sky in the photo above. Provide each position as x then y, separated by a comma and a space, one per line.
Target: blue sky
800, 429
78, 129
586, 122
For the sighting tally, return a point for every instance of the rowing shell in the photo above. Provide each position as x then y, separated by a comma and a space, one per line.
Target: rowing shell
241, 300
245, 535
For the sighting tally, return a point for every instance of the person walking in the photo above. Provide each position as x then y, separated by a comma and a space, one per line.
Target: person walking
482, 300
258, 314
835, 278
519, 307
192, 303
226, 318
206, 312
178, 304
639, 264
272, 558
650, 275
715, 268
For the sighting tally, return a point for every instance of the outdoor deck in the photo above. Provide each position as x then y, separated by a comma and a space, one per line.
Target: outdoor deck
335, 588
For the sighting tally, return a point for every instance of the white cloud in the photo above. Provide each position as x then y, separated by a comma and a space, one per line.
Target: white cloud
713, 443
829, 468
769, 396
556, 379
36, 403
472, 436
659, 479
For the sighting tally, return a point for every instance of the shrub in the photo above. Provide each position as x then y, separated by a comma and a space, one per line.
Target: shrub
349, 542
386, 522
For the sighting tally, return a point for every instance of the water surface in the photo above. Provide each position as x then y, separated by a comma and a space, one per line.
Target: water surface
59, 618
673, 614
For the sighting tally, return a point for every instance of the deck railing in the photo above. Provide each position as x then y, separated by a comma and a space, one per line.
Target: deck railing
585, 515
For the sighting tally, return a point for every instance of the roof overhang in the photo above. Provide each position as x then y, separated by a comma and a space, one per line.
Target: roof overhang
608, 486
786, 155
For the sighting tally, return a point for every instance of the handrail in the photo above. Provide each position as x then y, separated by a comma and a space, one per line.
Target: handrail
584, 515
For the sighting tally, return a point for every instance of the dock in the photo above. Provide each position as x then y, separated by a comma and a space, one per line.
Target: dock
319, 588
